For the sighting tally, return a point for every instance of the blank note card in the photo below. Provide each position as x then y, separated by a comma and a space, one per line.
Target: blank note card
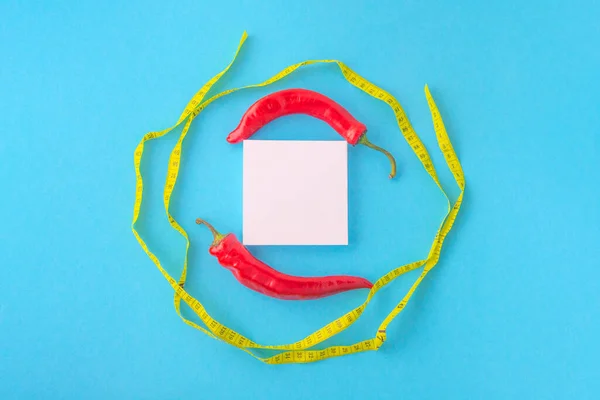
295, 192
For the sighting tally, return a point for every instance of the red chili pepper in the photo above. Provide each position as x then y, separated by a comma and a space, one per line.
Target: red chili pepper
259, 277
302, 101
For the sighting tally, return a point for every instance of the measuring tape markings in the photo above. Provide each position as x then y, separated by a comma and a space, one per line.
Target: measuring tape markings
298, 351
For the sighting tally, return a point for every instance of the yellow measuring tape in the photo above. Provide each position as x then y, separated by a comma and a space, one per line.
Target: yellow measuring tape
299, 352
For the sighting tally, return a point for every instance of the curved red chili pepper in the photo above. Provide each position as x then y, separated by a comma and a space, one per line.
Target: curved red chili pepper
261, 278
303, 101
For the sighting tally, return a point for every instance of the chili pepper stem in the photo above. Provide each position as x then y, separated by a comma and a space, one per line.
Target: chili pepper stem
217, 237
364, 141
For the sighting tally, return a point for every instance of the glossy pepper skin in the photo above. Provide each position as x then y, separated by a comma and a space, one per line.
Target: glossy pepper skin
298, 101
308, 102
261, 278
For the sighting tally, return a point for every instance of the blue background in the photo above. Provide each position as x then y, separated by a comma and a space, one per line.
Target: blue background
511, 311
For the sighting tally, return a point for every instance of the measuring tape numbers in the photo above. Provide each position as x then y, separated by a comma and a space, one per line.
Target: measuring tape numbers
300, 351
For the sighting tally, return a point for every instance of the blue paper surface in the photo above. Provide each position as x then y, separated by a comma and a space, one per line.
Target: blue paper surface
511, 311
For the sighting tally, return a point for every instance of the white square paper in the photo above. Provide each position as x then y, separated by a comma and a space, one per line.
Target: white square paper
295, 192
